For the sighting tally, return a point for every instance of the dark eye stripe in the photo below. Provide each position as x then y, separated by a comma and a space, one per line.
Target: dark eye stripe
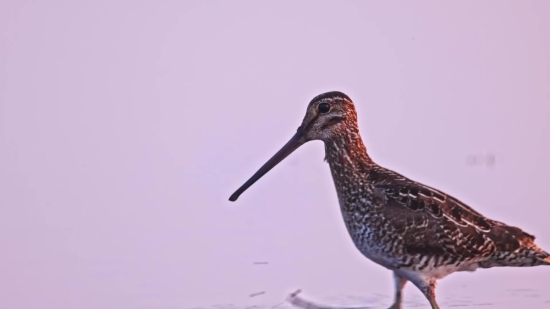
336, 119
332, 121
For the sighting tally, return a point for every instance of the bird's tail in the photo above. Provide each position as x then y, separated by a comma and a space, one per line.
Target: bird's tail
514, 248
546, 260
542, 257
523, 257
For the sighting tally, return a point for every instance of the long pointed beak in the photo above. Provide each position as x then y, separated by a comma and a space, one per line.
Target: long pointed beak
296, 141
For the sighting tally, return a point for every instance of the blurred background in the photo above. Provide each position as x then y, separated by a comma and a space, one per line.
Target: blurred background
126, 125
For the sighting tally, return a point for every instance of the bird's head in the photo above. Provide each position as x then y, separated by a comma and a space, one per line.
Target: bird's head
329, 115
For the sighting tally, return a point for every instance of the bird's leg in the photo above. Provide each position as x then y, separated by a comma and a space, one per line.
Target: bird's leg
399, 285
429, 292
434, 304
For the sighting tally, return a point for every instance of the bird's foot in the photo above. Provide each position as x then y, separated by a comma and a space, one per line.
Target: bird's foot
396, 306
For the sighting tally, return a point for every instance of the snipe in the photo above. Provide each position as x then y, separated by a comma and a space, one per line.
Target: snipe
418, 232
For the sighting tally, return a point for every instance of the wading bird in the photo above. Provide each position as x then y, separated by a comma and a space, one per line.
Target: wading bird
418, 232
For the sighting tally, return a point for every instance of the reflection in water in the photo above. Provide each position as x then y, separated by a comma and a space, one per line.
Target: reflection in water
510, 299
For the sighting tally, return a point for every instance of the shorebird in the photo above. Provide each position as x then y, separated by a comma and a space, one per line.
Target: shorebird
418, 232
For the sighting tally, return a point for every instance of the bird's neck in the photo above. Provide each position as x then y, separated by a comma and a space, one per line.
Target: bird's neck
348, 159
351, 166
347, 147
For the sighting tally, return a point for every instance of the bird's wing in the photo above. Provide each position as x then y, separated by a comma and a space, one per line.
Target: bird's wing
433, 222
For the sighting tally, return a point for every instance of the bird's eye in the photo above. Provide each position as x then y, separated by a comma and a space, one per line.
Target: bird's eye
323, 108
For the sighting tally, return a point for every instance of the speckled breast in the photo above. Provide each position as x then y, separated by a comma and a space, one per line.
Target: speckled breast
372, 235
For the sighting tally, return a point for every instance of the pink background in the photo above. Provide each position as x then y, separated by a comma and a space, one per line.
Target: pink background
126, 125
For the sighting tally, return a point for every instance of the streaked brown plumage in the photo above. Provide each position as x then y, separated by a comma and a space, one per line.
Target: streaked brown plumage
418, 232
